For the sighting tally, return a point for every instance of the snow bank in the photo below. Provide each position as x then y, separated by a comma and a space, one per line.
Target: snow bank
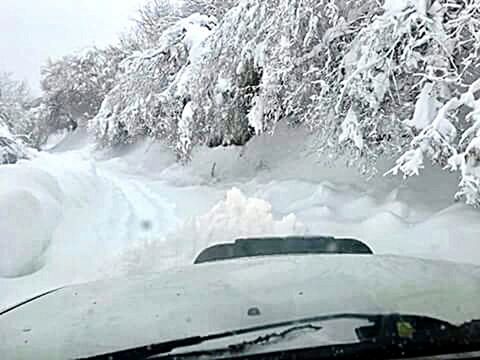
30, 209
452, 234
402, 221
65, 140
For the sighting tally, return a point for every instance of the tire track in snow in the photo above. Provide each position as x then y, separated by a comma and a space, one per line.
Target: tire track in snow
103, 214
150, 214
153, 219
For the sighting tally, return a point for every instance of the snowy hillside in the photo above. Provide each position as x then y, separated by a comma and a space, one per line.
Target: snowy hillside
75, 214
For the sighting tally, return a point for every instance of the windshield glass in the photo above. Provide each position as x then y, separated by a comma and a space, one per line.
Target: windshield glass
180, 168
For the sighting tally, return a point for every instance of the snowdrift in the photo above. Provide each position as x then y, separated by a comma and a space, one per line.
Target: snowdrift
30, 210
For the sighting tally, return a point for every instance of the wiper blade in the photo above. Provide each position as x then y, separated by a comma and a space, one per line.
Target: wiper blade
384, 326
397, 339
168, 346
361, 350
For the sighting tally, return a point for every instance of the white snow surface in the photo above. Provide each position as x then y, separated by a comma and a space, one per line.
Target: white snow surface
74, 214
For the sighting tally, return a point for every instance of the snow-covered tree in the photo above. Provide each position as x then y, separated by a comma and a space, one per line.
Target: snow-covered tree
156, 16
14, 99
11, 149
15, 125
446, 118
256, 68
142, 101
369, 78
75, 86
273, 62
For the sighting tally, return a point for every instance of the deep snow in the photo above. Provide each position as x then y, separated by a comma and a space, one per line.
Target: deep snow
75, 214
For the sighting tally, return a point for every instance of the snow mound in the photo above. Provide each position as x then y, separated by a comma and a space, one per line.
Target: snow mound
235, 216
238, 216
65, 140
30, 208
451, 234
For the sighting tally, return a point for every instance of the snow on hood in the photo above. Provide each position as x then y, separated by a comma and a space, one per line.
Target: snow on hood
202, 299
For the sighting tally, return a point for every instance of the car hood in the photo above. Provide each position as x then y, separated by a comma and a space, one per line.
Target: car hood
106, 316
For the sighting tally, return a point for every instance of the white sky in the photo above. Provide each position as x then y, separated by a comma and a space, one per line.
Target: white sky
31, 31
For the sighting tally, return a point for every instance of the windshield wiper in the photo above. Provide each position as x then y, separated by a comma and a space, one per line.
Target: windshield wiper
387, 333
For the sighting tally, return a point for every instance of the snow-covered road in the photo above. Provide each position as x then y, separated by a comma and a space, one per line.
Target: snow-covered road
75, 214
92, 216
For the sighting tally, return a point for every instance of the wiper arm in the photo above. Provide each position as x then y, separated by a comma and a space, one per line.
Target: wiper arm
384, 325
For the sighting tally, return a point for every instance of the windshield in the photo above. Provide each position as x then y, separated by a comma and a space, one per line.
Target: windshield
179, 168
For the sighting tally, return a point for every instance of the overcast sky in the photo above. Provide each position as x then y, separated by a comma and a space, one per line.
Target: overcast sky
31, 31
